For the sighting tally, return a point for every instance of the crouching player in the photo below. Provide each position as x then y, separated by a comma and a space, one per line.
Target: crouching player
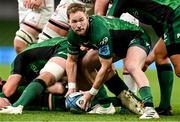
109, 36
33, 15
43, 64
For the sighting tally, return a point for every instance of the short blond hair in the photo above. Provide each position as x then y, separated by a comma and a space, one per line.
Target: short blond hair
75, 7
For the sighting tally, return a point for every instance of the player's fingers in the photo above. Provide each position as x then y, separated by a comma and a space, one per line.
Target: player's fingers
35, 7
25, 3
66, 94
87, 106
31, 6
83, 107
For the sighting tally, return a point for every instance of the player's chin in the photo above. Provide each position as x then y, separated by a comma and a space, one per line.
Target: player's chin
81, 33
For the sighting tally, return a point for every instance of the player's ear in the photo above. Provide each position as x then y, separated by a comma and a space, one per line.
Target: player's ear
87, 16
69, 21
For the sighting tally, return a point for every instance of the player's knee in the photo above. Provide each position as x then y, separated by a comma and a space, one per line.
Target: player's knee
54, 69
7, 92
57, 88
18, 48
25, 36
47, 78
47, 33
19, 45
91, 60
130, 67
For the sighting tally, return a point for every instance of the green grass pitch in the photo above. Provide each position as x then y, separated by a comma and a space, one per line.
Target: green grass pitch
66, 116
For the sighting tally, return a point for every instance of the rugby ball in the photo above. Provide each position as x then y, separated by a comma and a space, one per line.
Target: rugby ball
4, 102
74, 101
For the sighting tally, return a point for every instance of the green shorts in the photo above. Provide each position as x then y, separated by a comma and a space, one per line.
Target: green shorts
172, 33
142, 42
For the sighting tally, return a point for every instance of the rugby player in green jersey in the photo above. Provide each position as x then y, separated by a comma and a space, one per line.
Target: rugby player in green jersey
40, 66
164, 18
109, 36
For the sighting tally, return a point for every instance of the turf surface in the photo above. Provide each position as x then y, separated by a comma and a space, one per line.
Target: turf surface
66, 116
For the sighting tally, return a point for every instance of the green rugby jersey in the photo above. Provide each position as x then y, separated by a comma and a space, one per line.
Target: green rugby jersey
163, 15
155, 10
105, 34
62, 41
29, 62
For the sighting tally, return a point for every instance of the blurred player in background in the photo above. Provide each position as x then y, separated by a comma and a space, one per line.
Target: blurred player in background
33, 15
58, 24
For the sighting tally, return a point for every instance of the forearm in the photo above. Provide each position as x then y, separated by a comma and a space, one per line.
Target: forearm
99, 79
101, 7
71, 70
102, 73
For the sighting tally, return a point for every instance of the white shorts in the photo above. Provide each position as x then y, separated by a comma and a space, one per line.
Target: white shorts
37, 18
60, 13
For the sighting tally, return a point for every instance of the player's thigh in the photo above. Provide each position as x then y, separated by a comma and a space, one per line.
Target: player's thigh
135, 57
91, 60
53, 71
19, 44
11, 84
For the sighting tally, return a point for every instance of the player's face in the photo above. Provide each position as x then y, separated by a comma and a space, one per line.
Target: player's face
79, 22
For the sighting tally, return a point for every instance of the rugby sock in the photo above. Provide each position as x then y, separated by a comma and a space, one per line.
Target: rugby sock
146, 96
130, 82
165, 77
33, 90
116, 85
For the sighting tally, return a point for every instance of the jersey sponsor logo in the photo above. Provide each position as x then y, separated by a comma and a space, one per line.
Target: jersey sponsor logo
104, 50
104, 41
34, 68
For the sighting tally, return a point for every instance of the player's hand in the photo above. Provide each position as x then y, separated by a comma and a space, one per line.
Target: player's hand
87, 100
33, 4
26, 3
70, 91
37, 4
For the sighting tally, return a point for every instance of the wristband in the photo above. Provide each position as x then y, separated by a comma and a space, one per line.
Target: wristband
71, 85
93, 91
